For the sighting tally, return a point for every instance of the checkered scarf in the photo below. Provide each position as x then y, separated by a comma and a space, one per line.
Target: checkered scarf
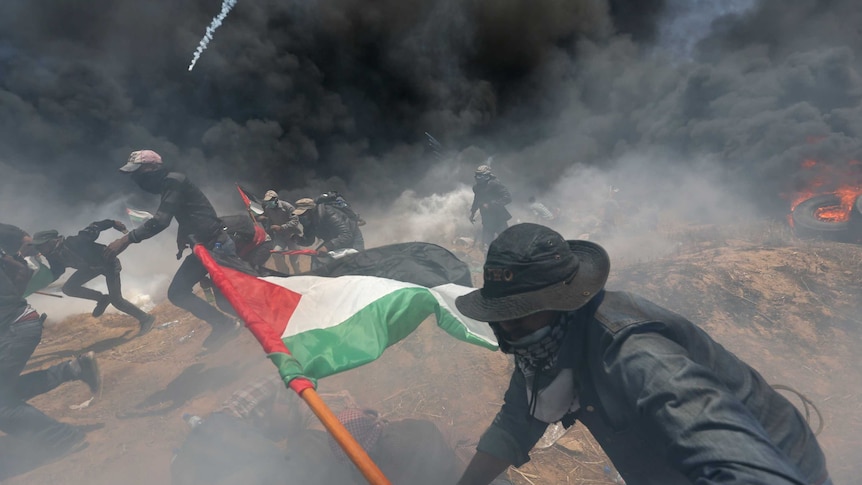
542, 355
364, 424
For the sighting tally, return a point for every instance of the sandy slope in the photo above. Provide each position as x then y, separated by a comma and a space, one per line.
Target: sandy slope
791, 310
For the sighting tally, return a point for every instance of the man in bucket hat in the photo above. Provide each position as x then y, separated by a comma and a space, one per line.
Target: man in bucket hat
282, 225
667, 403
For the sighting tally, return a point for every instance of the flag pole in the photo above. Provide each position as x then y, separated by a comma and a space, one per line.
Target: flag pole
345, 440
273, 344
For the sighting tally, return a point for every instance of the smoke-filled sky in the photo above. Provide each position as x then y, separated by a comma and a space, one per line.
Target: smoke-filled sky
297, 94
683, 104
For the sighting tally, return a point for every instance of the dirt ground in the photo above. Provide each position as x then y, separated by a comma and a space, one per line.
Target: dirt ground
789, 308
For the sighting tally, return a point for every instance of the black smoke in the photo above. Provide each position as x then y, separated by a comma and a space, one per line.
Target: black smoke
298, 95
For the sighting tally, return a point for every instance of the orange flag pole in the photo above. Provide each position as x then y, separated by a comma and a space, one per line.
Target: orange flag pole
343, 437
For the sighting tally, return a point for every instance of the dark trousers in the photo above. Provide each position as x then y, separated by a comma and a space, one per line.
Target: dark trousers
358, 240
74, 287
17, 418
491, 229
191, 271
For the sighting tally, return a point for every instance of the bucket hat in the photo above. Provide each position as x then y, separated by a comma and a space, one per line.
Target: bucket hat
303, 205
531, 268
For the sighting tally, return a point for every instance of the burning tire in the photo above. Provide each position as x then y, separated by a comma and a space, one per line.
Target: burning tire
816, 217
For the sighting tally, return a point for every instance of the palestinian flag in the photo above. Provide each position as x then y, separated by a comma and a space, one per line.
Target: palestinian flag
41, 278
332, 324
252, 204
138, 217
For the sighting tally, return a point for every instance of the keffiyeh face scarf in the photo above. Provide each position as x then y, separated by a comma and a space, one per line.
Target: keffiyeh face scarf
550, 391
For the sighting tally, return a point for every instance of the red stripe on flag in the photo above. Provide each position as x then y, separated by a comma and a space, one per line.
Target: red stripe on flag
264, 307
242, 194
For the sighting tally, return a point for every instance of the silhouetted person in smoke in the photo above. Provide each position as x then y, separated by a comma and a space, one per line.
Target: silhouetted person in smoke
407, 451
237, 444
490, 198
20, 333
541, 213
329, 224
197, 223
282, 225
668, 404
83, 253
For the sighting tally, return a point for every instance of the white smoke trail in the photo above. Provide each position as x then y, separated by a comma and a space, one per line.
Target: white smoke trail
208, 35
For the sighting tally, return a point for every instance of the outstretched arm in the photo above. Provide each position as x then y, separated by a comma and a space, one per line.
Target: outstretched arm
509, 439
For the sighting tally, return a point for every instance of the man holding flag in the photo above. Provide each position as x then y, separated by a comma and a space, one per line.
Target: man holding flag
667, 403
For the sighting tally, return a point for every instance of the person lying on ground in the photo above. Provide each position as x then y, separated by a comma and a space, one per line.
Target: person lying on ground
259, 436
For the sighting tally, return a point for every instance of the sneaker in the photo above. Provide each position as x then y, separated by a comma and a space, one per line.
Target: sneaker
101, 306
90, 371
220, 335
146, 324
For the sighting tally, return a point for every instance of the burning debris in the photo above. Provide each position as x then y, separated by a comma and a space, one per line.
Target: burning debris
829, 205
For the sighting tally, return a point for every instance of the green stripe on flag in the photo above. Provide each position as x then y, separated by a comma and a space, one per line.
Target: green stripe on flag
42, 277
364, 336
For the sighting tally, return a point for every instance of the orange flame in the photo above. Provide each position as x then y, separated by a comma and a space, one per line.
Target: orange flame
845, 182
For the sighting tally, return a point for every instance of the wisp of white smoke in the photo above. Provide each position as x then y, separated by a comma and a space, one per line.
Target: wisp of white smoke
208, 35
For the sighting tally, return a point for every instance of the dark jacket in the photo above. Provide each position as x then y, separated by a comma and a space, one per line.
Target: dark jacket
329, 224
184, 201
497, 196
667, 404
81, 251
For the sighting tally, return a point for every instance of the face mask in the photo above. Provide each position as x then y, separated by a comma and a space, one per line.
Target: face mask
270, 204
482, 178
150, 181
530, 339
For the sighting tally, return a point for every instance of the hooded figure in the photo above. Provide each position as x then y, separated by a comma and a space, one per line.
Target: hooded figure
197, 223
668, 405
490, 198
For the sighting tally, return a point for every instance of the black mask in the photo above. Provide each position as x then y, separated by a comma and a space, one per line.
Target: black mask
482, 178
150, 181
